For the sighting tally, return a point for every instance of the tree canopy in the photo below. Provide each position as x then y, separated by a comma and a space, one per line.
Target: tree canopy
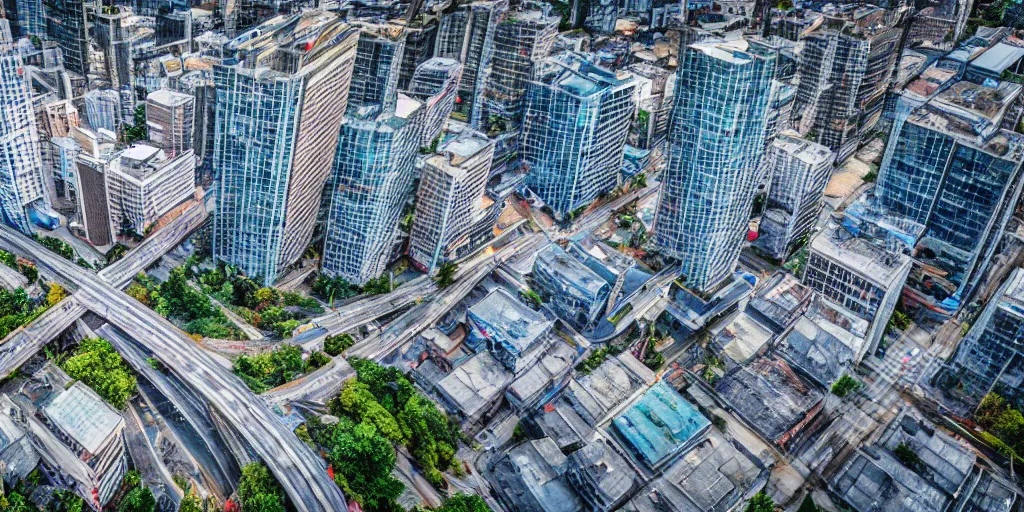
100, 367
259, 491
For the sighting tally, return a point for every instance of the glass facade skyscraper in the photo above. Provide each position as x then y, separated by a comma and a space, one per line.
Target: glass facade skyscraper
950, 168
280, 105
378, 62
65, 23
715, 141
435, 83
576, 116
372, 178
21, 166
521, 40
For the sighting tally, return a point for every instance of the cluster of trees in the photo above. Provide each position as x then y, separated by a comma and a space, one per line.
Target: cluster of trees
330, 289
139, 498
263, 307
99, 366
259, 491
652, 358
379, 411
761, 502
271, 369
335, 345
845, 385
597, 357
446, 274
30, 272
138, 131
1004, 426
16, 310
176, 298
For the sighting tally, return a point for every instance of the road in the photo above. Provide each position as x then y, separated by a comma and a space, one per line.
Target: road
300, 471
21, 344
121, 272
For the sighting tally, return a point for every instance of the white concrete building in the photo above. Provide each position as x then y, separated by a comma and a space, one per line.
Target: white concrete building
146, 184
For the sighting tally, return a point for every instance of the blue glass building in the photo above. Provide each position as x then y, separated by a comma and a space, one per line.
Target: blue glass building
715, 142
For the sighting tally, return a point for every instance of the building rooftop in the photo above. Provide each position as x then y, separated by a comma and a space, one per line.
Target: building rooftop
512, 320
819, 350
810, 153
577, 76
553, 365
17, 456
169, 98
873, 480
781, 300
999, 57
84, 416
869, 260
555, 259
475, 384
770, 397
660, 425
600, 463
712, 477
990, 494
531, 475
742, 338
946, 461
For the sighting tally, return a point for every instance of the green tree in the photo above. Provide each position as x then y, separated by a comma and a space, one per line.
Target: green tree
66, 501
258, 491
357, 402
845, 385
139, 499
761, 502
100, 367
139, 131
55, 294
190, 503
446, 274
363, 460
906, 454
15, 502
317, 360
464, 503
378, 285
335, 345
183, 300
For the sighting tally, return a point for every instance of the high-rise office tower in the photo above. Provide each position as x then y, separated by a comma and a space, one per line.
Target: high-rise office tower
845, 69
21, 166
170, 117
715, 141
378, 61
147, 184
575, 119
65, 23
991, 357
280, 105
114, 41
451, 187
467, 35
435, 84
595, 15
419, 47
952, 169
32, 18
521, 40
371, 181
103, 109
799, 171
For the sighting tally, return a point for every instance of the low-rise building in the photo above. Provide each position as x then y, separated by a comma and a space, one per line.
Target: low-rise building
515, 334
601, 475
475, 387
660, 426
575, 293
531, 476
146, 184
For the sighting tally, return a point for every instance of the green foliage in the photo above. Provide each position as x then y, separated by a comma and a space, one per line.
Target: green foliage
846, 385
317, 360
908, 456
597, 357
761, 502
116, 252
132, 478
258, 491
191, 503
100, 367
66, 501
463, 503
270, 369
330, 289
357, 402
57, 245
184, 301
1004, 423
446, 274
139, 499
335, 345
429, 435
870, 177
652, 358
533, 297
620, 314
299, 300
14, 501
16, 310
139, 131
378, 285
808, 505
362, 460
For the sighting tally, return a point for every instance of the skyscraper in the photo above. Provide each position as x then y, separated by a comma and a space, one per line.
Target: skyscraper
32, 18
435, 83
799, 171
991, 356
521, 40
451, 187
103, 109
467, 35
419, 47
280, 104
845, 69
372, 178
951, 168
170, 117
378, 62
715, 142
21, 166
65, 23
113, 39
575, 119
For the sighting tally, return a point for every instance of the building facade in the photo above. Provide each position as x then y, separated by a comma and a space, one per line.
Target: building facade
522, 39
277, 126
21, 167
66, 24
147, 184
451, 189
103, 109
575, 120
379, 56
170, 118
714, 145
435, 84
577, 294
